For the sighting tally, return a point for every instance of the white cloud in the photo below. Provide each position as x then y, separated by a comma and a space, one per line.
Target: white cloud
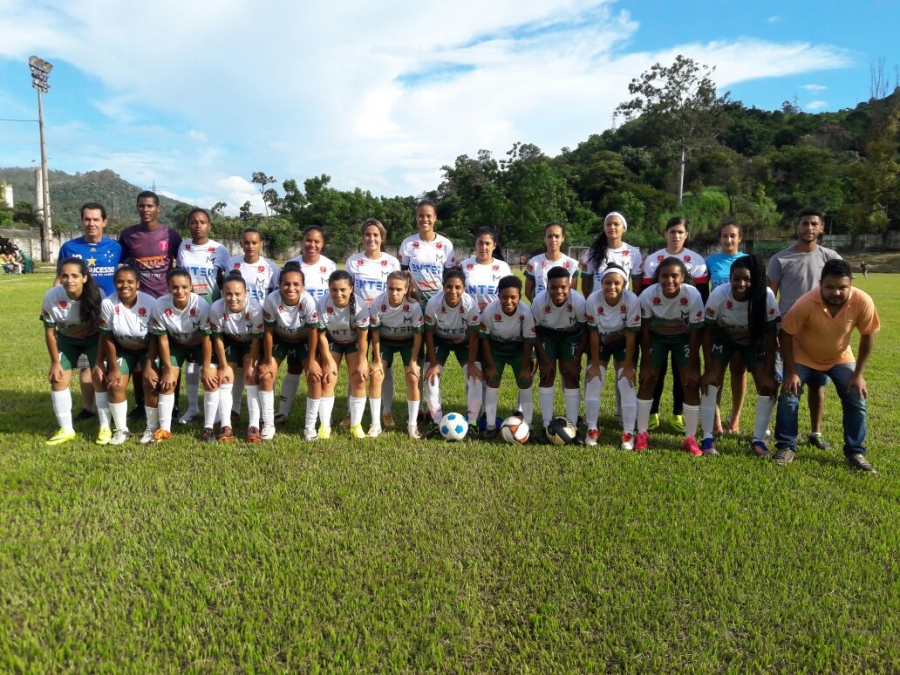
773, 19
198, 136
816, 105
813, 87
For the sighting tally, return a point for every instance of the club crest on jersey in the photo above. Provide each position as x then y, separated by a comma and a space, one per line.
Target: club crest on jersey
626, 253
261, 268
687, 258
384, 263
193, 312
660, 258
63, 304
443, 310
566, 265
384, 308
622, 309
729, 304
329, 310
415, 244
656, 300
237, 265
710, 311
683, 301
470, 266
497, 317
521, 319
546, 309
405, 308
600, 311
438, 245
168, 312
495, 267
187, 247
323, 269
359, 261
569, 307
117, 309
142, 311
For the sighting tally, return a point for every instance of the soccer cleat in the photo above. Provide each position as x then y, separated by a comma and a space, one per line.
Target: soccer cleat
61, 436
654, 422
280, 419
253, 435
345, 423
374, 430
759, 448
387, 421
119, 437
147, 437
818, 440
208, 435
268, 432
690, 445
189, 416
226, 435
708, 447
678, 424
356, 431
857, 460
627, 441
324, 433
784, 456
84, 414
642, 441
104, 436
593, 435
433, 430
489, 434
474, 432
413, 431
309, 434
161, 435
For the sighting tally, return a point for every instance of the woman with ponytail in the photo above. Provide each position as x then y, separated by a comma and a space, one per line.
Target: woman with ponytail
741, 317
71, 313
608, 248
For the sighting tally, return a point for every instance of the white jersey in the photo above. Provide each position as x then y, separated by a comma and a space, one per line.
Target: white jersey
203, 262
499, 327
396, 323
337, 322
731, 316
370, 275
427, 261
240, 326
183, 326
129, 326
291, 322
672, 316
612, 320
567, 319
451, 323
261, 276
628, 257
64, 313
482, 280
539, 265
694, 262
315, 276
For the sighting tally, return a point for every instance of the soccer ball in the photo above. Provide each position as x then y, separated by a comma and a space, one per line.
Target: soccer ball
454, 427
514, 430
561, 431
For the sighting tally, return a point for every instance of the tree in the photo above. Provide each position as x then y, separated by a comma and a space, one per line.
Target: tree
682, 102
261, 179
245, 214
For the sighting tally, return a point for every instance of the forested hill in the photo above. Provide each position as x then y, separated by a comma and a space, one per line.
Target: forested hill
68, 193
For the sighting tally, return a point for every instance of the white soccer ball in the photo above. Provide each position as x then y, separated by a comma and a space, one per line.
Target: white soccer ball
515, 430
561, 431
454, 427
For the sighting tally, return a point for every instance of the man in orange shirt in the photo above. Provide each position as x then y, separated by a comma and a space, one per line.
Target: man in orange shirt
815, 340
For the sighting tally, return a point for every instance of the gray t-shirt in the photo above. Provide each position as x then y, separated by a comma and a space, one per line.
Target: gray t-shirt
797, 273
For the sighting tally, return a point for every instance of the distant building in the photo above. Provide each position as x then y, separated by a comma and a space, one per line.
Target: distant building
6, 194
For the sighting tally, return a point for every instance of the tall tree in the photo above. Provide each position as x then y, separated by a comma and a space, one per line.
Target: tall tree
680, 100
261, 179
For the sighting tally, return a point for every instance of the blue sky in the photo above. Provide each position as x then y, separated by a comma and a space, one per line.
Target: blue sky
381, 95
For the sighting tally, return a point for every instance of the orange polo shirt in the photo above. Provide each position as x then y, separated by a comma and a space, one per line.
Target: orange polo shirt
821, 340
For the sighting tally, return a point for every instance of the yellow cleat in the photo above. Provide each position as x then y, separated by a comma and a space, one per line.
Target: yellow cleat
104, 436
356, 431
62, 436
324, 433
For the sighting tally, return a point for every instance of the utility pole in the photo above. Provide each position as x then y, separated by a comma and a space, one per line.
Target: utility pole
40, 80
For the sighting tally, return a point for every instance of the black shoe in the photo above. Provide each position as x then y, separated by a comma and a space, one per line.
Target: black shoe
490, 434
858, 461
137, 414
85, 414
176, 413
818, 441
539, 437
474, 432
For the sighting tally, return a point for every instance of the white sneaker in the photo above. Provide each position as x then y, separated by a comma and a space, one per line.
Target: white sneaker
414, 432
310, 434
120, 436
148, 435
268, 432
374, 430
189, 416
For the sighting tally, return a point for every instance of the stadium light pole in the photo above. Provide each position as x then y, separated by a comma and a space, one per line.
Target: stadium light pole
40, 80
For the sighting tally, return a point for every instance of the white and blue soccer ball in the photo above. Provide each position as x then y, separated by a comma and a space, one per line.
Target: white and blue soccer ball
454, 427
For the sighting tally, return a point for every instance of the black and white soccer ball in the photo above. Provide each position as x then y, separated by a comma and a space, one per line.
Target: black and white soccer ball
561, 431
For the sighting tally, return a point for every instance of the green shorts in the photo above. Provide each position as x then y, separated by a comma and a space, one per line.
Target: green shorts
723, 349
342, 347
181, 354
295, 352
679, 346
444, 348
235, 351
129, 360
70, 349
509, 355
391, 347
560, 346
616, 350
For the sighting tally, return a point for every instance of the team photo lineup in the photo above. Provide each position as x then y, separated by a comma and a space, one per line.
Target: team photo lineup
169, 315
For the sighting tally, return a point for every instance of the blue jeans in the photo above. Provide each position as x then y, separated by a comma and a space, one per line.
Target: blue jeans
853, 404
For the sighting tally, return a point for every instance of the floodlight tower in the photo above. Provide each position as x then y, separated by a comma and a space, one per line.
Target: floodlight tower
40, 80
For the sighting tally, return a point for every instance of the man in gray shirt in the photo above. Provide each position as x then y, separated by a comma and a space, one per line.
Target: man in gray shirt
793, 272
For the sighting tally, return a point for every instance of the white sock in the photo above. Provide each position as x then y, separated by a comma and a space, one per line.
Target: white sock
412, 409
357, 406
708, 410
491, 399
433, 398
312, 411
375, 410
119, 414
62, 408
474, 390
546, 396
573, 404
211, 409
691, 417
643, 414
764, 407
192, 385
152, 417
289, 386
526, 404
387, 390
101, 402
252, 403
166, 405
226, 392
238, 391
326, 405
628, 396
267, 408
592, 390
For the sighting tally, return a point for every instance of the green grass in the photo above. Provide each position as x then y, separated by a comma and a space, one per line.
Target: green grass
394, 556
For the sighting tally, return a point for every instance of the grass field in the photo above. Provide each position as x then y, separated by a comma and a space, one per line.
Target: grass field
392, 556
